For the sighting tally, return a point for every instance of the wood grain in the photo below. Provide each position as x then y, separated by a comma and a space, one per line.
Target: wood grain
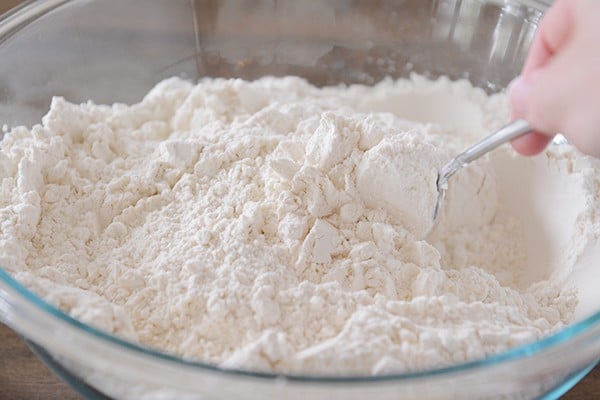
24, 377
5, 5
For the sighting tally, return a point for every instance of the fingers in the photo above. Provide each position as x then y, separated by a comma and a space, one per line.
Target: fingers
519, 92
562, 97
539, 54
553, 33
519, 96
531, 144
542, 99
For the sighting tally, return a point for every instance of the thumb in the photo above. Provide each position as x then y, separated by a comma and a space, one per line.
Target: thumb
519, 97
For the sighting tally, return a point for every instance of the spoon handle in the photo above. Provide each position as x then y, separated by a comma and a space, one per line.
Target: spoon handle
508, 132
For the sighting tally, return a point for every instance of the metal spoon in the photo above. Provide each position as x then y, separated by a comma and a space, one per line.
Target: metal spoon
508, 132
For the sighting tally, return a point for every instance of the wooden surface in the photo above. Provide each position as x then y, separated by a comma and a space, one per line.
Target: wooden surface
8, 4
24, 377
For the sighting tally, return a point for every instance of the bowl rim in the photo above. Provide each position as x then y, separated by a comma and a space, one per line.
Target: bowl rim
30, 10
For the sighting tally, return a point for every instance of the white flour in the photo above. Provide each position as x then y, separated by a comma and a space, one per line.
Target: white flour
276, 226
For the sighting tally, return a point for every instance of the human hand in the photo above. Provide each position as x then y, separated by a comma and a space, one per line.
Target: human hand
559, 87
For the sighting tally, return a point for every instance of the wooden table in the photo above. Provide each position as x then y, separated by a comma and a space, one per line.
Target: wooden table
24, 377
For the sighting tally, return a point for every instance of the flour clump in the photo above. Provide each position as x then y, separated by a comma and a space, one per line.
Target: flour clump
276, 226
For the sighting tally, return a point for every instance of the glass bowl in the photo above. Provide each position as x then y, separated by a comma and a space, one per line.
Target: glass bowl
115, 50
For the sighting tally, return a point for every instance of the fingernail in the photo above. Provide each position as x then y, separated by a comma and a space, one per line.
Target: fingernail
518, 94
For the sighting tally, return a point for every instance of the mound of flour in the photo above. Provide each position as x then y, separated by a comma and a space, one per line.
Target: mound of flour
276, 226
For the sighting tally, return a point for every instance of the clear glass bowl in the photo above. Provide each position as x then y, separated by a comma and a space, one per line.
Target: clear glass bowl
115, 50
